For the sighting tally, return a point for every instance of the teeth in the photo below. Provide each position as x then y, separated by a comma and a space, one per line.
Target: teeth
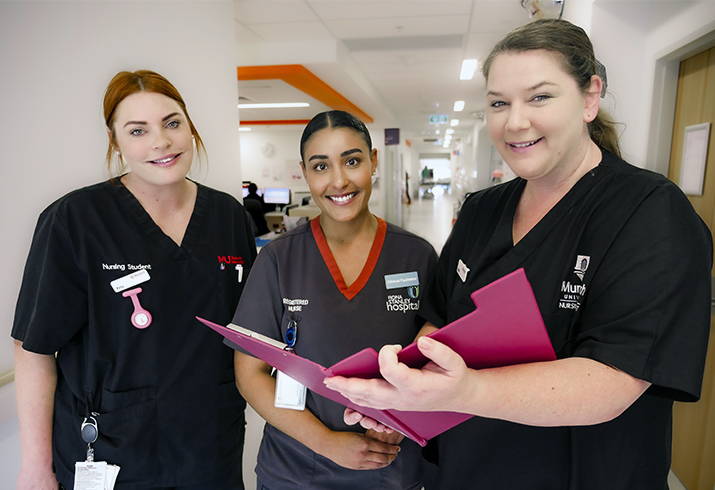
523, 145
165, 160
342, 198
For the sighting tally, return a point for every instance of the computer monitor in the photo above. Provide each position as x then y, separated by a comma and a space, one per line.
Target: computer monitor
276, 195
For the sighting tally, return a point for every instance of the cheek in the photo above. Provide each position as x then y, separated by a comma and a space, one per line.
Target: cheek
495, 128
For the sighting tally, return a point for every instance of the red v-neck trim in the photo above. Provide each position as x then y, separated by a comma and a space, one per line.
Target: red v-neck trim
351, 291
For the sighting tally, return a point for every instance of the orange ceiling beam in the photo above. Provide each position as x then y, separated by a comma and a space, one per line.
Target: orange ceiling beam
304, 80
275, 121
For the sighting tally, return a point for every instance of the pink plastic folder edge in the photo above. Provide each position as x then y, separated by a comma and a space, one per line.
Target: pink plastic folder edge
506, 328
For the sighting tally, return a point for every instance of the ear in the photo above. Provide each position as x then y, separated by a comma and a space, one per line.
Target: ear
302, 168
592, 99
373, 159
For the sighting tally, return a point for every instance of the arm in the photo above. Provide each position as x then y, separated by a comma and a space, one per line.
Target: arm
573, 391
36, 381
348, 449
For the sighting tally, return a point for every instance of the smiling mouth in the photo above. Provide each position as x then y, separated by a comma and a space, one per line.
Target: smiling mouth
342, 199
165, 160
524, 145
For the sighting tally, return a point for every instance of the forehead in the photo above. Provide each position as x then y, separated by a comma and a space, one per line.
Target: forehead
525, 69
337, 139
145, 106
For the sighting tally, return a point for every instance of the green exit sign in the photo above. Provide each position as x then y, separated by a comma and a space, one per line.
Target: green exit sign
442, 119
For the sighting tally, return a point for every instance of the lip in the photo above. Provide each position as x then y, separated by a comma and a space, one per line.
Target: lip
342, 199
166, 160
523, 146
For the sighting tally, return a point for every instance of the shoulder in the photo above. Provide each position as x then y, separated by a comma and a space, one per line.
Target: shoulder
403, 238
298, 235
217, 196
81, 200
492, 196
626, 183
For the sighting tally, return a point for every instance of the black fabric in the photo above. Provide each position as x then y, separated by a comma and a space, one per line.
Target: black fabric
169, 411
620, 268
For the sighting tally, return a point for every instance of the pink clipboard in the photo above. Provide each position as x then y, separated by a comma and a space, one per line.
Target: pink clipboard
506, 328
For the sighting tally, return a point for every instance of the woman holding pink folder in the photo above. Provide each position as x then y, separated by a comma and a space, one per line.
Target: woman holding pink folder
345, 281
620, 266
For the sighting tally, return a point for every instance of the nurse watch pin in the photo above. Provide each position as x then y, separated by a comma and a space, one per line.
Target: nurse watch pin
140, 317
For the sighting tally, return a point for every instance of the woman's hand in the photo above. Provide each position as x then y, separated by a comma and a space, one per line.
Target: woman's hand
358, 451
440, 385
32, 479
352, 417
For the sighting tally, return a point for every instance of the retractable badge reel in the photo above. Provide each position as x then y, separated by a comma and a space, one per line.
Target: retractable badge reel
90, 432
91, 474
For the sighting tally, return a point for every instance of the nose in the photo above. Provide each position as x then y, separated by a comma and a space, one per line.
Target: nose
338, 177
518, 119
161, 140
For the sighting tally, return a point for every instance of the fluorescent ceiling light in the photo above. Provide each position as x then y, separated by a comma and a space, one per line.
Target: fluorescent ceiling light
449, 131
244, 129
454, 122
279, 105
459, 106
468, 69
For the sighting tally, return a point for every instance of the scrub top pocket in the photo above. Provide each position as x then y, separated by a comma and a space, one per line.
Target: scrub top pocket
128, 433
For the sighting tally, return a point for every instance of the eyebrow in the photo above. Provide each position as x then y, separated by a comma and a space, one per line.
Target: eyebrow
530, 89
164, 119
343, 154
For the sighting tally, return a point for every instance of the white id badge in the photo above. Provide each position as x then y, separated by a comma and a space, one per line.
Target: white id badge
95, 475
289, 393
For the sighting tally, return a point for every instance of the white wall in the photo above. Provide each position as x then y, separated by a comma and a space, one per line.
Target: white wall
630, 38
57, 58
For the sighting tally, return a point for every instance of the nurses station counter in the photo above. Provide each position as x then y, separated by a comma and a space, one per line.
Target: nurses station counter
274, 219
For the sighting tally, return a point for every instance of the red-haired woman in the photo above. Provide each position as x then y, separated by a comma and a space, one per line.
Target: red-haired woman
109, 358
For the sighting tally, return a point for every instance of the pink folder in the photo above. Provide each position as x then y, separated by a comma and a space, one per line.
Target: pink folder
505, 329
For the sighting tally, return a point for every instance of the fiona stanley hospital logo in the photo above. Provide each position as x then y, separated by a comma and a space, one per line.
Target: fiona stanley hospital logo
397, 302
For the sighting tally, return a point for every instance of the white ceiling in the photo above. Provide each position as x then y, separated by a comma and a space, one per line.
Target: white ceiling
397, 60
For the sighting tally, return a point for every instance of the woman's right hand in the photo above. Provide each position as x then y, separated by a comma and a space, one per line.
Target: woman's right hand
358, 451
36, 479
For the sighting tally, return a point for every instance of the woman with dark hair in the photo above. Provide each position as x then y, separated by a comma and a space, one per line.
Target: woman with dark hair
325, 289
620, 266
109, 357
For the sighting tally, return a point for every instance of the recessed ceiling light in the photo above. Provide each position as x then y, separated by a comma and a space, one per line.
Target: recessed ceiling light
459, 106
449, 131
454, 122
279, 105
243, 129
468, 69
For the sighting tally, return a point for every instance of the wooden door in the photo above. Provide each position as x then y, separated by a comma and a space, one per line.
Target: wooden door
694, 423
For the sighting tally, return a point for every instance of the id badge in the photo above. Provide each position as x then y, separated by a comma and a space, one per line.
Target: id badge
289, 393
95, 475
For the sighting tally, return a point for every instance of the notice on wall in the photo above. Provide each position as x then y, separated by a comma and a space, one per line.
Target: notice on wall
695, 153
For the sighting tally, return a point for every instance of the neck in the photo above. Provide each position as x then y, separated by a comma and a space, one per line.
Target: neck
552, 189
339, 233
166, 197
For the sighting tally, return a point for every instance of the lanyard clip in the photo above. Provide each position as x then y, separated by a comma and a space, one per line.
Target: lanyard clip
291, 335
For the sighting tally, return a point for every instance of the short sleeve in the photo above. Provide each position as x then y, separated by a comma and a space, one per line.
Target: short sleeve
52, 304
647, 311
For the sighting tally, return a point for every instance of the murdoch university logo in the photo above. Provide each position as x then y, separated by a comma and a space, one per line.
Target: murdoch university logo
582, 263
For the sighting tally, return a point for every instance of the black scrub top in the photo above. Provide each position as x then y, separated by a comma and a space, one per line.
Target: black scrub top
169, 411
620, 268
